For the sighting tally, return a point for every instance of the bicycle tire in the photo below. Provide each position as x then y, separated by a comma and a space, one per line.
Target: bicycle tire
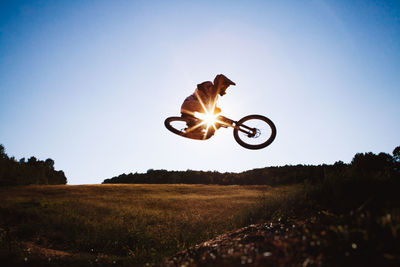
257, 146
168, 125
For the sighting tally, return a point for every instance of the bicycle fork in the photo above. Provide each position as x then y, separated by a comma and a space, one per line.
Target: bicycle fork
251, 132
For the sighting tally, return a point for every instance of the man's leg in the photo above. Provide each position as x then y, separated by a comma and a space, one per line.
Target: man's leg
191, 130
196, 131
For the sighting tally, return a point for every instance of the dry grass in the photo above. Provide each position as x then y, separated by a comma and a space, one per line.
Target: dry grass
131, 223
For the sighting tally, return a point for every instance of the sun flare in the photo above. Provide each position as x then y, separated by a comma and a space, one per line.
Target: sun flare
209, 118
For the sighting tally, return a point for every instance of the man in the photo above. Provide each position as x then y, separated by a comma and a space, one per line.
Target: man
203, 100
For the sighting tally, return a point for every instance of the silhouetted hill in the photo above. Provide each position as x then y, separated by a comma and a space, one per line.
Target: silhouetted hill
263, 176
363, 166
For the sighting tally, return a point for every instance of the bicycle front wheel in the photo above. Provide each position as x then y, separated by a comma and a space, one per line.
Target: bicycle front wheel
254, 132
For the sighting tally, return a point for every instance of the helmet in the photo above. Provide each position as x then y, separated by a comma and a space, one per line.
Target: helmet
221, 83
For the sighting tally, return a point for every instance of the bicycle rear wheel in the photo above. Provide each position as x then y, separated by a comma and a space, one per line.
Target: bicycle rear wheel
176, 125
254, 132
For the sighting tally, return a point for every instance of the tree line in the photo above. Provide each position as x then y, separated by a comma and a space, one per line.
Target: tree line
369, 180
25, 172
367, 165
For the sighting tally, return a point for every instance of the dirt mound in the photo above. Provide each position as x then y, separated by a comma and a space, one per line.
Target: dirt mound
326, 239
257, 245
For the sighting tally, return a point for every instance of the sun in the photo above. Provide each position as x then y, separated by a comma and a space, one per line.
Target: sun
208, 118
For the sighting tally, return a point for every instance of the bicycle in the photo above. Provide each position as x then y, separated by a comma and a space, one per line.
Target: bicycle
251, 132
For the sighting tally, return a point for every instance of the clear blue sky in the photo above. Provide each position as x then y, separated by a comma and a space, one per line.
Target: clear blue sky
89, 83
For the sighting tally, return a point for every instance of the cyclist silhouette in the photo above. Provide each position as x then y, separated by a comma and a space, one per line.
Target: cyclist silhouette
203, 100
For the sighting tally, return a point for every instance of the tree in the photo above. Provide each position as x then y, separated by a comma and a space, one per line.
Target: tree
49, 164
32, 171
32, 160
3, 154
396, 154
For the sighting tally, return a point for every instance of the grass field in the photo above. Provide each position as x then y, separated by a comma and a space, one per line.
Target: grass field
123, 224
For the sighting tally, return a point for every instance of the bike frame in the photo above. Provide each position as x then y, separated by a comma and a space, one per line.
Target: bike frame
234, 124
